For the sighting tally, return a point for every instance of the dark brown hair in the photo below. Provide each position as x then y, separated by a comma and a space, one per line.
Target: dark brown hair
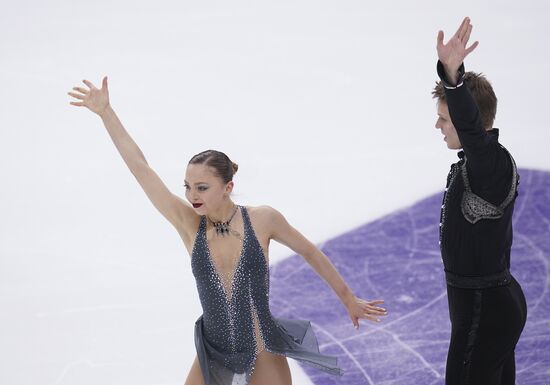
220, 162
483, 94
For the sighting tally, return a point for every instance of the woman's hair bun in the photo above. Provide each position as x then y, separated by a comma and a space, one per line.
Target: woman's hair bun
220, 162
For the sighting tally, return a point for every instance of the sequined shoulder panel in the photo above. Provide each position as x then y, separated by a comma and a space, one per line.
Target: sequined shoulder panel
474, 208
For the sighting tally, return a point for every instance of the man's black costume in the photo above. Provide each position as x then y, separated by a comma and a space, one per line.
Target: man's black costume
486, 304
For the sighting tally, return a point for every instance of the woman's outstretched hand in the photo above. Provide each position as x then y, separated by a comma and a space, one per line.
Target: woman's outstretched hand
360, 308
96, 100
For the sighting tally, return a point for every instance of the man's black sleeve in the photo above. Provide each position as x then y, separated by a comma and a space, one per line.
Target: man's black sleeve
480, 148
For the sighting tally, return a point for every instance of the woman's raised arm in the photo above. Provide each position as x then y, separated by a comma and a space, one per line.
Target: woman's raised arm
173, 208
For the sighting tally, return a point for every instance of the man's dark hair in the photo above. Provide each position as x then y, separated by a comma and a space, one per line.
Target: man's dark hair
483, 94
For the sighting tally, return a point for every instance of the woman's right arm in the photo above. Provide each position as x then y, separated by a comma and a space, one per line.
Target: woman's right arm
174, 209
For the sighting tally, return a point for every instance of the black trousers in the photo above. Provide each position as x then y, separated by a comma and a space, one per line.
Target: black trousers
486, 326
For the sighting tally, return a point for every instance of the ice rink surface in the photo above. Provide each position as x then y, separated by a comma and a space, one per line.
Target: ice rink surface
398, 257
326, 107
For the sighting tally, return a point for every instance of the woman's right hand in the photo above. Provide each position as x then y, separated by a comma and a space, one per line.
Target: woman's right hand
96, 100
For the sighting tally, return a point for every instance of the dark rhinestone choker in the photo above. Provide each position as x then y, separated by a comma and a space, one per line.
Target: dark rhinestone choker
222, 228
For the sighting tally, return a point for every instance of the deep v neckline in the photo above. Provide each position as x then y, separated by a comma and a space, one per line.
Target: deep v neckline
231, 284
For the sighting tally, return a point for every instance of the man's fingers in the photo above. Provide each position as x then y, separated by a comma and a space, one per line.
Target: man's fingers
467, 35
104, 83
440, 36
463, 28
458, 31
471, 48
78, 104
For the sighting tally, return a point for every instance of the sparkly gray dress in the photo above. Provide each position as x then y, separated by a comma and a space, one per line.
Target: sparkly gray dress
234, 329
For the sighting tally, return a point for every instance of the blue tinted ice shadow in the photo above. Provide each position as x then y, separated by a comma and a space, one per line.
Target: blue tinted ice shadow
397, 258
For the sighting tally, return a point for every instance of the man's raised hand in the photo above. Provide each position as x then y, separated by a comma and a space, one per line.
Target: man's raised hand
454, 52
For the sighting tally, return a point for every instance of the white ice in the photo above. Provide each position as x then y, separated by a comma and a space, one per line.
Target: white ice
325, 105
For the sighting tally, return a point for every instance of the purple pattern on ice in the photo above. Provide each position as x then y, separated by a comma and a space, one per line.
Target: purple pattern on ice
397, 258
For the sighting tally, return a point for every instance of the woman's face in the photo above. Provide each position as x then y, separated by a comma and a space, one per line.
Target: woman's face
204, 189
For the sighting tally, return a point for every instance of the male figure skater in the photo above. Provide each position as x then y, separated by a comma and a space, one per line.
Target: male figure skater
486, 304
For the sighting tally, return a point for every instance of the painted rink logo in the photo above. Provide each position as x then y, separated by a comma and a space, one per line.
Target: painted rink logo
397, 258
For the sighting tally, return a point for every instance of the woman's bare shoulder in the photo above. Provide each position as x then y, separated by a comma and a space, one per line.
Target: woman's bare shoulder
265, 217
263, 212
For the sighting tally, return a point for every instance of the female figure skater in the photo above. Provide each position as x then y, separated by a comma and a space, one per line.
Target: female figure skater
237, 339
486, 304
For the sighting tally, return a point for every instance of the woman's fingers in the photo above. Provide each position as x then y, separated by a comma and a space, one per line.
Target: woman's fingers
90, 96
89, 84
354, 320
371, 317
366, 310
375, 311
371, 306
81, 90
77, 96
378, 309
376, 302
371, 313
